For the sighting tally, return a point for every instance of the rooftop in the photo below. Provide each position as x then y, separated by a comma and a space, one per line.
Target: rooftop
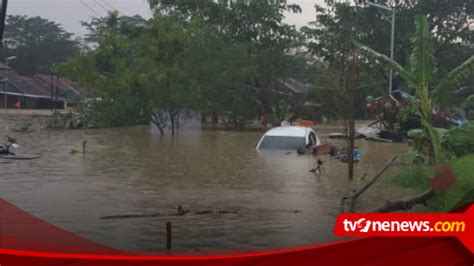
39, 85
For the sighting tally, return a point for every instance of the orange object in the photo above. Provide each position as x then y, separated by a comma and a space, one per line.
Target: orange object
444, 179
306, 123
323, 148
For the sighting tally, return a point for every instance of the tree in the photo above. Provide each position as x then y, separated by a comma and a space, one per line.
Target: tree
450, 23
165, 52
420, 74
329, 41
254, 31
37, 43
468, 104
111, 71
337, 86
132, 27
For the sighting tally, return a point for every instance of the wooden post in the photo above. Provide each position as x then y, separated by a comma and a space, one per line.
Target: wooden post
168, 236
353, 194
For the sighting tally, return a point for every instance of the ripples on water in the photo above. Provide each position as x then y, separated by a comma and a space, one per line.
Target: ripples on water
134, 170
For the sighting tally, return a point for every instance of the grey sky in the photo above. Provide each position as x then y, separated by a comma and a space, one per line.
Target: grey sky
69, 13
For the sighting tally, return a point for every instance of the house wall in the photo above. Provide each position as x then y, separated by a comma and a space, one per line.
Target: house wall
29, 103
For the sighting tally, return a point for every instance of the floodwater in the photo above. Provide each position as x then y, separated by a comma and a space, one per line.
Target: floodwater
134, 170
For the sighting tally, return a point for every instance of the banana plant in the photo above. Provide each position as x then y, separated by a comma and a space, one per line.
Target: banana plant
419, 76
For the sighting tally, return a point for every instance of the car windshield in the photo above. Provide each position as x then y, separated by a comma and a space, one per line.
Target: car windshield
282, 142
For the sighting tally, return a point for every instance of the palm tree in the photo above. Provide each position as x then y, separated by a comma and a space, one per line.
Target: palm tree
419, 76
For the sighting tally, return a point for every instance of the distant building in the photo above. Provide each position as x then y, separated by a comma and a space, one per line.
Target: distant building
38, 91
295, 87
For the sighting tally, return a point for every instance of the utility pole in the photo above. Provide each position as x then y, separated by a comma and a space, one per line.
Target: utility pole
3, 16
52, 95
392, 38
6, 79
56, 92
392, 48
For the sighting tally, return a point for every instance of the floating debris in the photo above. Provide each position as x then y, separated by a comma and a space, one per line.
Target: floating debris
181, 212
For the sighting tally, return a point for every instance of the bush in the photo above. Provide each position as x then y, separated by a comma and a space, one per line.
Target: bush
469, 103
124, 112
459, 141
422, 142
59, 120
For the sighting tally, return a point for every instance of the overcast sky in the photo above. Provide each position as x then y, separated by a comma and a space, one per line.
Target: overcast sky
69, 13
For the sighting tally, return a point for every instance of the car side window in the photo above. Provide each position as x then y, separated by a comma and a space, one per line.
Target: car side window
312, 139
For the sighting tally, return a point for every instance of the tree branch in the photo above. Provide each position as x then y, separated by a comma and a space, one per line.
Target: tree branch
353, 194
406, 203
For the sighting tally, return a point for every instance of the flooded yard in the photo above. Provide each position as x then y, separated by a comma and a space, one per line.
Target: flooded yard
134, 170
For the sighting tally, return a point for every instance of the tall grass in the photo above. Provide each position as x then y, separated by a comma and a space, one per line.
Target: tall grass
458, 195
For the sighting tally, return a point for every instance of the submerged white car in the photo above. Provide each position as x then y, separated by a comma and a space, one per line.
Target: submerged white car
289, 138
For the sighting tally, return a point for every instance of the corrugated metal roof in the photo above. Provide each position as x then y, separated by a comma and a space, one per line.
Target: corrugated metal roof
295, 86
39, 85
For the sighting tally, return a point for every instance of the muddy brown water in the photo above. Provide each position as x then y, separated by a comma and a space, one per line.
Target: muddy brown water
134, 170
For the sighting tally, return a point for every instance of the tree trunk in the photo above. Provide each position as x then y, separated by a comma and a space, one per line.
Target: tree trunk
177, 121
159, 121
172, 119
352, 85
162, 132
351, 149
406, 203
353, 194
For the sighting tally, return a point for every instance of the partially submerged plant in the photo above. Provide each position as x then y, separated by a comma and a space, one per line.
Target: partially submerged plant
419, 76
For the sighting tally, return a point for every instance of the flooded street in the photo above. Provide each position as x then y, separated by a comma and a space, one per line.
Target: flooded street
134, 170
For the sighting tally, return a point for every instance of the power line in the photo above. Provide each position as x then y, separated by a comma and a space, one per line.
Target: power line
90, 8
101, 6
109, 5
113, 7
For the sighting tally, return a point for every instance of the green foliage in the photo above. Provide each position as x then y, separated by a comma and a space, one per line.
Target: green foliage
330, 98
59, 120
454, 78
469, 103
229, 57
448, 21
419, 76
109, 70
422, 142
282, 111
330, 40
457, 196
37, 43
330, 29
202, 56
407, 111
411, 177
459, 141
251, 35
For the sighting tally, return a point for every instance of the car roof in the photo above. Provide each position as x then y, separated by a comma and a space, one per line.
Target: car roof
289, 131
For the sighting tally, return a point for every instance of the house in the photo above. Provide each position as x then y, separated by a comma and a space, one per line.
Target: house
38, 91
295, 87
